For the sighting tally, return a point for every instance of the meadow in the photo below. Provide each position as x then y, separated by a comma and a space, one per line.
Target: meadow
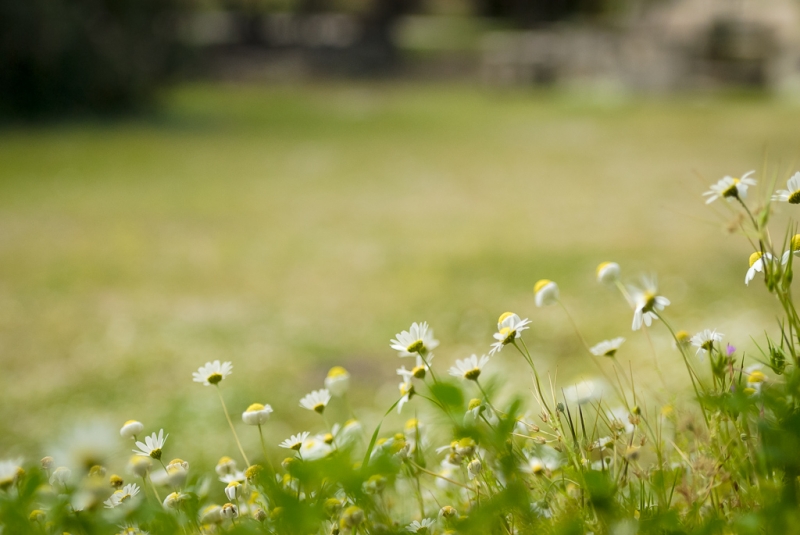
291, 229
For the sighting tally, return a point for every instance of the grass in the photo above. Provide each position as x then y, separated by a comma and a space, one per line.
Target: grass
289, 229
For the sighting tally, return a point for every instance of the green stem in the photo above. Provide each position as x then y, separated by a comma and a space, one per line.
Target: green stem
230, 423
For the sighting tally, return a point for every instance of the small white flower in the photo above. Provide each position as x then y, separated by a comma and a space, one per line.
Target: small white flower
337, 381
619, 418
140, 466
211, 514
122, 495
174, 500
314, 448
730, 188
130, 429
418, 339
421, 527
233, 490
407, 392
469, 368
238, 475
419, 371
608, 272
474, 468
10, 470
792, 194
757, 265
607, 348
646, 303
225, 466
547, 462
704, 340
152, 445
546, 293
794, 249
60, 477
131, 529
256, 414
584, 392
509, 328
212, 373
229, 510
316, 401
295, 441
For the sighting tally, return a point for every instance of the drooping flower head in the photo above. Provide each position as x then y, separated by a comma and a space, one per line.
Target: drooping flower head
337, 381
212, 373
757, 261
10, 471
152, 445
469, 368
607, 348
792, 193
729, 188
418, 339
130, 429
316, 401
546, 292
608, 272
256, 414
509, 328
647, 303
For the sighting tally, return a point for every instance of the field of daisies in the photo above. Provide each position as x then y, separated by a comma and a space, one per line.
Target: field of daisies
476, 453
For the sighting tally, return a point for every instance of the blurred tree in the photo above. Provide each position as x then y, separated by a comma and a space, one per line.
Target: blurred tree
67, 56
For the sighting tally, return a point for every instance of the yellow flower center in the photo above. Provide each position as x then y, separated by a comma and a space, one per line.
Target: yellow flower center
474, 403
255, 407
412, 424
682, 337
795, 242
214, 378
319, 407
328, 438
508, 334
794, 198
337, 371
756, 377
754, 257
611, 352
539, 285
296, 446
418, 372
649, 302
504, 316
415, 347
156, 454
602, 266
130, 422
407, 389
708, 345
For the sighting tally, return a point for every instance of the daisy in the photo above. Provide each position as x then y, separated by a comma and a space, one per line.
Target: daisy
256, 414
546, 292
608, 272
704, 341
794, 249
225, 466
337, 381
469, 368
174, 500
60, 477
646, 303
295, 441
730, 188
130, 429
509, 328
417, 371
121, 496
584, 392
316, 401
152, 445
131, 529
757, 265
233, 490
238, 476
421, 527
229, 510
407, 392
10, 470
607, 348
418, 339
314, 448
212, 373
792, 194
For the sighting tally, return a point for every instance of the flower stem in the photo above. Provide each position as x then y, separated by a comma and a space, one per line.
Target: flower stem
230, 423
264, 449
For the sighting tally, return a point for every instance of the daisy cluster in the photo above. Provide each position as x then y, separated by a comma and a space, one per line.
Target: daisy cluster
601, 454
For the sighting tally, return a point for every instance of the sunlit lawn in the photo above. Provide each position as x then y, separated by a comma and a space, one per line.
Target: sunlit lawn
291, 229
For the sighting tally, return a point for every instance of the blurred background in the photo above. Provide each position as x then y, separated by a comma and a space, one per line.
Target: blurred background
287, 184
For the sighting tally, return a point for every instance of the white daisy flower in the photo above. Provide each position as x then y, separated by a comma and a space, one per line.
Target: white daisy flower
238, 476
757, 265
256, 414
130, 429
174, 500
211, 514
607, 348
546, 292
152, 445
646, 303
792, 193
407, 392
608, 272
547, 462
417, 339
225, 466
469, 368
10, 470
295, 441
474, 468
60, 477
730, 188
417, 371
794, 248
316, 401
314, 448
139, 466
131, 529
212, 373
229, 510
337, 381
233, 490
421, 527
509, 328
122, 495
704, 340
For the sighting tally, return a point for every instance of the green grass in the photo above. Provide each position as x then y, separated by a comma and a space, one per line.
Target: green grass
292, 228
